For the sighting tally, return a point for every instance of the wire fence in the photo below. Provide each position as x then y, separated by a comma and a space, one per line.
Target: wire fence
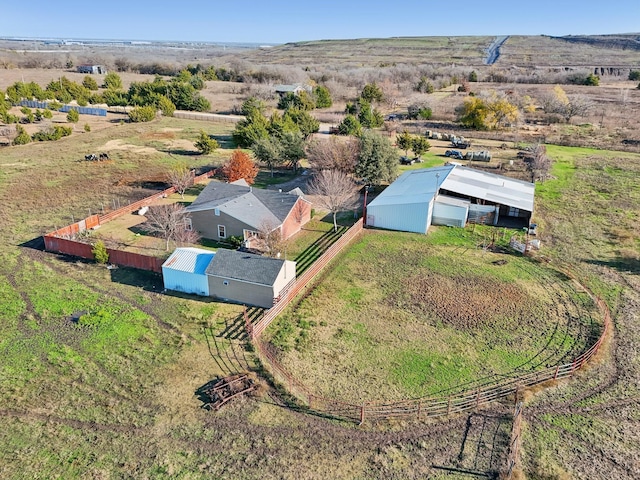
64, 240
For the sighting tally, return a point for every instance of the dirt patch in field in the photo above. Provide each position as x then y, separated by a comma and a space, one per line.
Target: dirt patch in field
469, 303
119, 145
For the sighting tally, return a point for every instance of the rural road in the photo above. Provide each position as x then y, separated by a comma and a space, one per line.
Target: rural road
493, 52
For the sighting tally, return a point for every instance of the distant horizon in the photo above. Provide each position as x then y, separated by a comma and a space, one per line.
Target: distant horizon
278, 21
275, 44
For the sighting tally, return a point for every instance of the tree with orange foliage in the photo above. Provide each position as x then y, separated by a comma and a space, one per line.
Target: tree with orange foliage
240, 166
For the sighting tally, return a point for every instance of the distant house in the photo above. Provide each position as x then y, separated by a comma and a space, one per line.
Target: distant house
249, 279
223, 210
451, 195
228, 275
296, 89
93, 69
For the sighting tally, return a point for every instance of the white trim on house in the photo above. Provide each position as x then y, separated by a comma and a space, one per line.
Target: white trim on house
222, 231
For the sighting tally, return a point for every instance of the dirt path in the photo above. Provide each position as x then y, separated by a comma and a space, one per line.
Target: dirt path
299, 182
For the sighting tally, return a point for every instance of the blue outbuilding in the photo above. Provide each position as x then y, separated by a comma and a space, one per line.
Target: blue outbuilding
185, 270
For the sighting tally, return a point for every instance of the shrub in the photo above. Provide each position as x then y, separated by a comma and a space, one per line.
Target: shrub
89, 83
634, 75
112, 81
73, 116
100, 253
87, 127
166, 106
22, 138
323, 97
235, 241
143, 114
52, 134
205, 144
350, 126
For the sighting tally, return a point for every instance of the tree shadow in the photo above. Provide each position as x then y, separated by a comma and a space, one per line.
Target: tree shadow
224, 141
181, 152
135, 277
484, 446
621, 264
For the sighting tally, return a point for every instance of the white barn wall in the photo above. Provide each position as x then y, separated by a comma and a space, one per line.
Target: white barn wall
186, 282
413, 217
451, 215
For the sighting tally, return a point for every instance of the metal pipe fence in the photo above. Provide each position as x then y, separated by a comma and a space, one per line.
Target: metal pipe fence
466, 398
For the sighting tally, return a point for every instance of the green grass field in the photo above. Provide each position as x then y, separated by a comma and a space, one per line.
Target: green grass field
404, 315
99, 370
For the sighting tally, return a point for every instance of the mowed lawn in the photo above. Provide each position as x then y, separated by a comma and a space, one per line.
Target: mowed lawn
403, 315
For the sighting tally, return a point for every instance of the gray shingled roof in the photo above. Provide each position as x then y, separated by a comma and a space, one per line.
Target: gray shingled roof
253, 206
245, 267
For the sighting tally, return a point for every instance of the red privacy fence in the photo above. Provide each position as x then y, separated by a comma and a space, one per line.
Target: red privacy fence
64, 240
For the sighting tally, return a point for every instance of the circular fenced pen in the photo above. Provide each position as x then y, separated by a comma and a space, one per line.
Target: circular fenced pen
402, 316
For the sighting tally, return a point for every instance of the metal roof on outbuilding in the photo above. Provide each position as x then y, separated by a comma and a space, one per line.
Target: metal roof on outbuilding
414, 186
190, 260
419, 186
489, 186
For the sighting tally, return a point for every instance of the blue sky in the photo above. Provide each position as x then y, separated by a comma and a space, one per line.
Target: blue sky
278, 21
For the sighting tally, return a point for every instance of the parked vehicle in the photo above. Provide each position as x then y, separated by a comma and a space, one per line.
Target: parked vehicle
460, 142
481, 156
454, 154
407, 161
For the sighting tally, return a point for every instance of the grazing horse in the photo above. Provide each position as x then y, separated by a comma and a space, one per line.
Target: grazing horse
92, 157
104, 156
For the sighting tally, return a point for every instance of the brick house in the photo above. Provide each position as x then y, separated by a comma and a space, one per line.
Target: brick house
223, 210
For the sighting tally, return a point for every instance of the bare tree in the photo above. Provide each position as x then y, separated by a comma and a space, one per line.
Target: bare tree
169, 222
181, 178
270, 238
333, 153
336, 192
540, 163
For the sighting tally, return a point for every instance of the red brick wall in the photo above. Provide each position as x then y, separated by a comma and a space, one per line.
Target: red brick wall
299, 215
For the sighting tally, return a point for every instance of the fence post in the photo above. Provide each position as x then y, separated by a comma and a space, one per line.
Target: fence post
449, 406
362, 414
478, 399
247, 324
419, 408
555, 375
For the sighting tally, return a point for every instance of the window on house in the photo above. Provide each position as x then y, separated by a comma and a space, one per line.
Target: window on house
514, 212
216, 212
249, 234
222, 231
187, 224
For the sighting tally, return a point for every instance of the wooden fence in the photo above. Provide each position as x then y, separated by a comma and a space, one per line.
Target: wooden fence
208, 117
64, 240
465, 398
256, 328
514, 444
